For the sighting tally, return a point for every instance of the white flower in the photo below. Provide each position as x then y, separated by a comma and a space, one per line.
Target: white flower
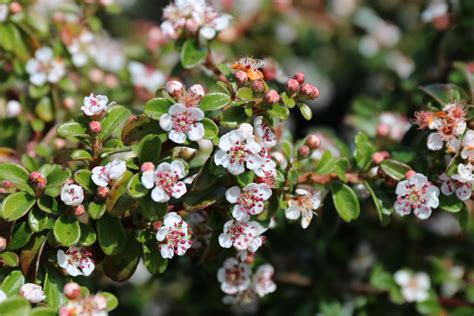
145, 76
182, 122
468, 145
455, 184
234, 276
414, 287
453, 282
108, 53
94, 104
264, 133
32, 292
393, 125
72, 194
249, 201
262, 280
13, 108
164, 181
450, 126
241, 235
3, 296
213, 23
102, 175
3, 12
239, 149
434, 10
304, 205
175, 236
76, 261
416, 193
465, 172
44, 67
80, 47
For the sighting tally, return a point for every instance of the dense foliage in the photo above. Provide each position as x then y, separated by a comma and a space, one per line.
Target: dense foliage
170, 172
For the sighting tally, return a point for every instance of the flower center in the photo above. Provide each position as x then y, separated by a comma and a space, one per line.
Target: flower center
183, 122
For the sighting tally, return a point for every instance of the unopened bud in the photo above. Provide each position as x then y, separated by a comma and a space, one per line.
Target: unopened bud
147, 166
304, 151
72, 290
272, 97
292, 85
309, 91
69, 103
258, 86
102, 192
192, 25
7, 184
3, 244
241, 77
15, 7
409, 174
380, 156
79, 210
174, 87
299, 76
156, 225
95, 127
313, 142
37, 179
197, 89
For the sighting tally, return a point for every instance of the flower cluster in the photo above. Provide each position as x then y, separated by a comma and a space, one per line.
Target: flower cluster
77, 304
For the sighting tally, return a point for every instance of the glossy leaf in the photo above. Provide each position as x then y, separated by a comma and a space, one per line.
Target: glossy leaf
67, 230
345, 201
111, 235
16, 205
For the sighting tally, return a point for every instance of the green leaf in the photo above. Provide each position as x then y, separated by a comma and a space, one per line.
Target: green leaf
155, 108
80, 154
14, 173
12, 283
192, 55
48, 204
279, 111
121, 266
288, 101
118, 190
135, 188
149, 149
152, 210
381, 201
31, 253
112, 301
305, 111
96, 209
245, 178
9, 259
53, 288
326, 163
450, 203
345, 201
83, 178
443, 93
364, 149
43, 311
20, 236
394, 169
152, 258
28, 162
115, 117
72, 129
214, 101
88, 235
39, 221
210, 128
111, 235
16, 205
45, 110
67, 230
15, 306
245, 93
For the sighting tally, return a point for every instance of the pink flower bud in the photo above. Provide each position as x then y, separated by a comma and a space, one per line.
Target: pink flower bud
241, 77
3, 244
197, 89
72, 290
37, 179
313, 142
7, 184
192, 25
299, 76
95, 127
409, 174
310, 91
292, 85
15, 7
147, 166
156, 225
102, 192
380, 156
304, 151
174, 87
69, 103
96, 75
79, 210
258, 86
272, 97
383, 130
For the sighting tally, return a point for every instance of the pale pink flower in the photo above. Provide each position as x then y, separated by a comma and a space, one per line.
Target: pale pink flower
182, 122
146, 76
102, 175
304, 205
76, 261
44, 67
174, 236
242, 235
249, 200
414, 286
165, 181
72, 194
262, 280
234, 276
32, 292
264, 133
95, 104
456, 184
